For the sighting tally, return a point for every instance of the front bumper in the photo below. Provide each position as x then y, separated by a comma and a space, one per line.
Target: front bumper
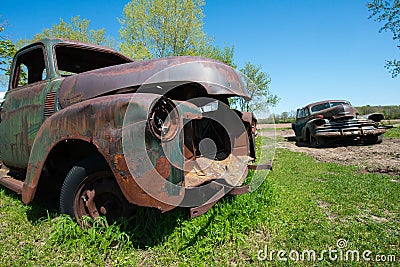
219, 188
223, 190
351, 132
352, 129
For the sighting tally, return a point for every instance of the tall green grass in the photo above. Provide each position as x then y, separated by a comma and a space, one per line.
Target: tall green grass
303, 204
393, 132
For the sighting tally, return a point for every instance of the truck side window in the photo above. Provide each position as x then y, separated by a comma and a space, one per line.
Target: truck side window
306, 112
30, 68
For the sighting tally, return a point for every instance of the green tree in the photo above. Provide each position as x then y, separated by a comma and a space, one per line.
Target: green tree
285, 116
224, 55
7, 52
258, 89
77, 30
388, 12
161, 28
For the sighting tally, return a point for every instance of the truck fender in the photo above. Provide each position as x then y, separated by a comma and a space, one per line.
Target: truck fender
96, 121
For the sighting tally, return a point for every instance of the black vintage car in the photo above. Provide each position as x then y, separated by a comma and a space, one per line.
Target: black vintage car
336, 121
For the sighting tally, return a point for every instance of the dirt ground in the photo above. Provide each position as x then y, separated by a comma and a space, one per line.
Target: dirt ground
381, 158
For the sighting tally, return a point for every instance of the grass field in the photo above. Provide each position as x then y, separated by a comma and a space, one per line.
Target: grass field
394, 133
302, 205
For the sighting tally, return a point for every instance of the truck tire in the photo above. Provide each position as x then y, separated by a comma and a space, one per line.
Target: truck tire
90, 189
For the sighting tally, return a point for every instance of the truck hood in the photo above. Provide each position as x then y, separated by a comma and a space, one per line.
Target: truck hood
157, 74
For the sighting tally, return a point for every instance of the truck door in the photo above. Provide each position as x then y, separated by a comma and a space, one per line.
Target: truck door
22, 111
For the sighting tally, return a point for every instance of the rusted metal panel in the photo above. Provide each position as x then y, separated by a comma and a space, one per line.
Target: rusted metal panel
12, 183
204, 170
92, 107
266, 166
49, 104
21, 118
215, 77
95, 121
197, 211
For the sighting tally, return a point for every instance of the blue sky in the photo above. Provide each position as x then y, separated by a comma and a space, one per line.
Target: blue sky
312, 50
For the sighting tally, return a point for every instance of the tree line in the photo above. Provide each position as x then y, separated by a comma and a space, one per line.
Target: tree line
153, 29
390, 112
161, 28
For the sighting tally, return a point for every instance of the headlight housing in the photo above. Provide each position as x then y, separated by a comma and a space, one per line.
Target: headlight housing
163, 119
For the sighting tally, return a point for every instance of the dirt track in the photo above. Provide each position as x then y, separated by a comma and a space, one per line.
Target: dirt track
381, 158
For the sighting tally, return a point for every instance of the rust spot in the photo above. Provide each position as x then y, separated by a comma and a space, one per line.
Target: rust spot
120, 166
163, 167
247, 117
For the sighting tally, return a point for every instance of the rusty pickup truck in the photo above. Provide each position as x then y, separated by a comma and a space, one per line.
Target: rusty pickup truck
105, 134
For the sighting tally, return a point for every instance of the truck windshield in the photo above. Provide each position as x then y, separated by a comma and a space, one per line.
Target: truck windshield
76, 59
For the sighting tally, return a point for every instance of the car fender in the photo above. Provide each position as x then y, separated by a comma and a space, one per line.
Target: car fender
98, 121
311, 125
376, 117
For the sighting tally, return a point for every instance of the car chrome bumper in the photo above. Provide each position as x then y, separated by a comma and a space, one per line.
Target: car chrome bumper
349, 132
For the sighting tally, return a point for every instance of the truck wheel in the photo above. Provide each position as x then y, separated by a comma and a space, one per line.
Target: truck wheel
315, 141
90, 189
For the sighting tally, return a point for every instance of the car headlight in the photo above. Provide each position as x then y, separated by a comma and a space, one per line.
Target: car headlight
163, 120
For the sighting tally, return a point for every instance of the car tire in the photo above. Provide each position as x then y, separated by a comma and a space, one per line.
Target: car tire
376, 139
315, 142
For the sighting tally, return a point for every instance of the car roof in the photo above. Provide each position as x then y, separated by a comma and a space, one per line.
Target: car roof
325, 101
61, 41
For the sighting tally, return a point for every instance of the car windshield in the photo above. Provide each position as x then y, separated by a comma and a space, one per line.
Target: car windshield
327, 105
336, 103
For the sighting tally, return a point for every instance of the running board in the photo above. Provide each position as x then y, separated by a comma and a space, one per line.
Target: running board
12, 184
